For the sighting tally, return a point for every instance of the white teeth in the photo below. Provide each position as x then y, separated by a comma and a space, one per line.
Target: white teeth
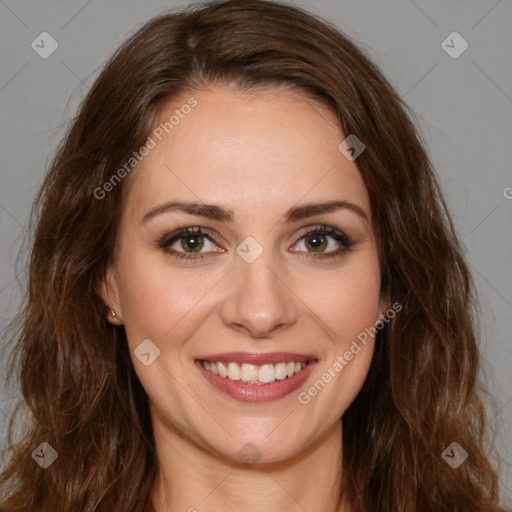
223, 371
233, 371
249, 372
266, 373
281, 371
253, 374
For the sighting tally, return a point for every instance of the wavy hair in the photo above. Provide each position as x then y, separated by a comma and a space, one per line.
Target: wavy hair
80, 391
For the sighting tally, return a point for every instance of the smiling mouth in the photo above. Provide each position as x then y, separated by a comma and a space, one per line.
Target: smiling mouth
254, 374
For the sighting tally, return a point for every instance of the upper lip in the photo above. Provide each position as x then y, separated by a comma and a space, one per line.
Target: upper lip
258, 359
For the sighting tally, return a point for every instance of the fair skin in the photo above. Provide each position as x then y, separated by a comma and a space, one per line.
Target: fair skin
257, 155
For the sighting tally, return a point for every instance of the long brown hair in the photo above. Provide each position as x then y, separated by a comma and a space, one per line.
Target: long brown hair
79, 387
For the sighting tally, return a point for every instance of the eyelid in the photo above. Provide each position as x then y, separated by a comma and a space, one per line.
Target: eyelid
326, 230
340, 236
183, 232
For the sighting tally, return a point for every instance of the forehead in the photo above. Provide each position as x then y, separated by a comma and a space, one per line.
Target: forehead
253, 153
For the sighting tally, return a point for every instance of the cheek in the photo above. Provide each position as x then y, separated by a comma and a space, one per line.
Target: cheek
353, 310
347, 300
155, 299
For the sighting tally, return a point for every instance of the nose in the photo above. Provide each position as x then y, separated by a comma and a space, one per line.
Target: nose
259, 301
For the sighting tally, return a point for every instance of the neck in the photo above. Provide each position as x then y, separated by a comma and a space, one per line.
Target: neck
193, 479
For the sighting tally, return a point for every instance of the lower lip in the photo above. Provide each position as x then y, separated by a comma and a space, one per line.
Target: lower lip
257, 392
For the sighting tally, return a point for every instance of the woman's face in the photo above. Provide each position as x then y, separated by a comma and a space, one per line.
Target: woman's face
256, 293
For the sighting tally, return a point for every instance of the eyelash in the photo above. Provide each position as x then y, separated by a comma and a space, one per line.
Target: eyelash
169, 239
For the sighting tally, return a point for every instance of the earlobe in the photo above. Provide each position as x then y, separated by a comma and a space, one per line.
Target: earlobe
109, 292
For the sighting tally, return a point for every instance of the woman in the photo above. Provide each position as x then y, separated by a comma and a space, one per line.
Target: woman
245, 288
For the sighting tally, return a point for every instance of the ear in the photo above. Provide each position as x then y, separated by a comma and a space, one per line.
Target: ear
109, 292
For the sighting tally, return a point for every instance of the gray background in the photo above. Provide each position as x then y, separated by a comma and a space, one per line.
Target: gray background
463, 106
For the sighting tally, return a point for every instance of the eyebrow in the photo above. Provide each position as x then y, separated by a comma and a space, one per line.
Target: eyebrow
215, 212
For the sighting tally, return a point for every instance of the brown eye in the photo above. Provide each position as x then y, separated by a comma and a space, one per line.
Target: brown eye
194, 242
317, 242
